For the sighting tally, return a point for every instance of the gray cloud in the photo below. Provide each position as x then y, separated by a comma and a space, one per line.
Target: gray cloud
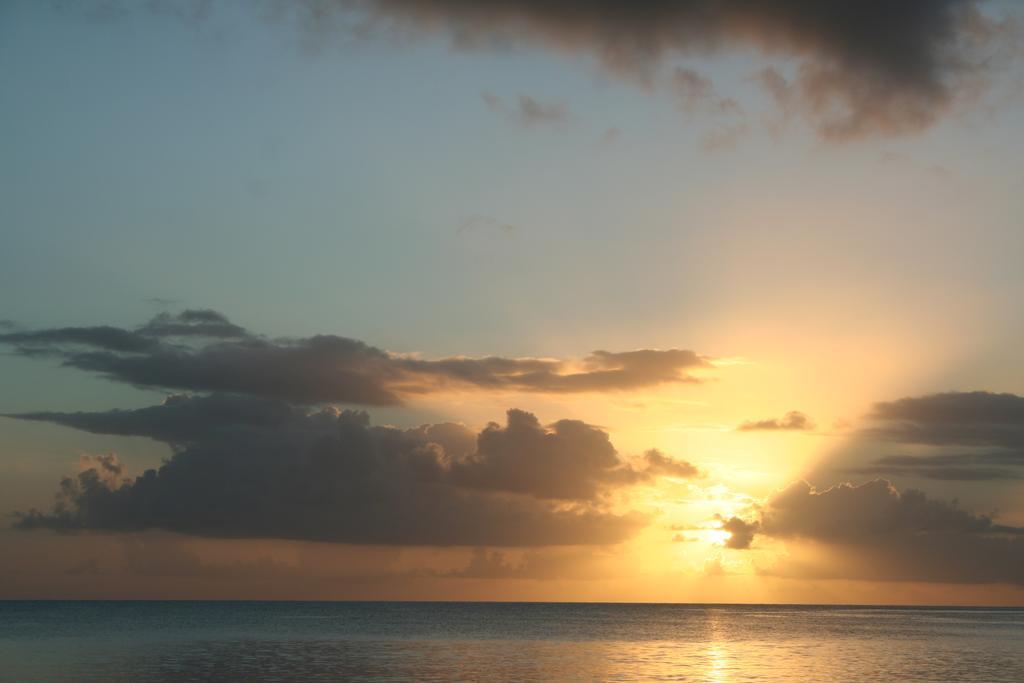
245, 467
977, 418
992, 424
794, 420
880, 533
860, 68
203, 351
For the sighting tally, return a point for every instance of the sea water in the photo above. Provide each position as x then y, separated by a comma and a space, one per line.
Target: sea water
350, 641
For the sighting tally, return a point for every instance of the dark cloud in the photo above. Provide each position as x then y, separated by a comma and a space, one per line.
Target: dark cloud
846, 511
742, 532
873, 66
314, 370
245, 468
993, 424
794, 420
202, 350
526, 110
977, 418
572, 460
181, 419
884, 534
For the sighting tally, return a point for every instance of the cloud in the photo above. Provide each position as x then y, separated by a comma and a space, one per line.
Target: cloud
991, 424
193, 323
859, 68
188, 323
696, 93
948, 467
181, 418
527, 111
659, 464
329, 475
881, 533
204, 351
873, 67
742, 532
794, 420
101, 337
977, 418
572, 460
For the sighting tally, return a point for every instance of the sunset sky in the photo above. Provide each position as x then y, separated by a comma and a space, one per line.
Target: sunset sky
512, 300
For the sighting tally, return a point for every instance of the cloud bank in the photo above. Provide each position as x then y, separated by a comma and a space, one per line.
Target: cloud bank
947, 425
875, 532
201, 350
246, 467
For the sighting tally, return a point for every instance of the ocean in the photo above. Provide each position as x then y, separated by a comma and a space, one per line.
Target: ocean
352, 641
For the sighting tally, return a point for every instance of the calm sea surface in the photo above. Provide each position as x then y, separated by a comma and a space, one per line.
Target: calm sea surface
311, 641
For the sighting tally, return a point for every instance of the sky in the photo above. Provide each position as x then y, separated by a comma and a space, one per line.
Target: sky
510, 300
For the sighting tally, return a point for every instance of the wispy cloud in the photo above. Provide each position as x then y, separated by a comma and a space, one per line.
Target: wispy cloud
526, 110
791, 421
